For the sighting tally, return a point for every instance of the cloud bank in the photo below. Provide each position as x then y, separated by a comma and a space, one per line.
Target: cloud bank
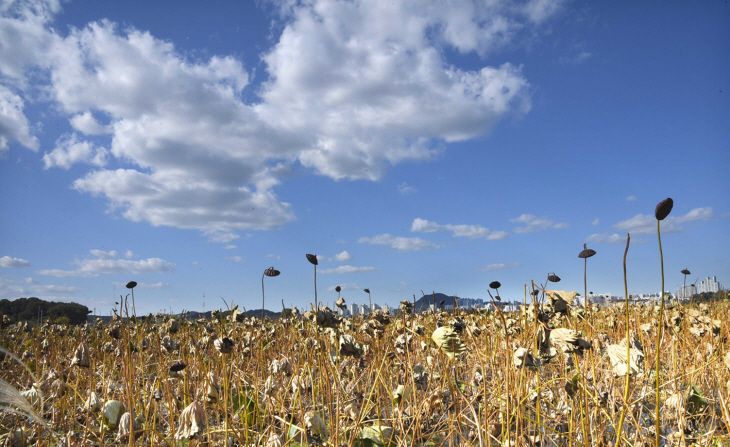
350, 88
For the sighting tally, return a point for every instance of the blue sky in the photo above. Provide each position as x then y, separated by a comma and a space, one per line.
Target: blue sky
413, 146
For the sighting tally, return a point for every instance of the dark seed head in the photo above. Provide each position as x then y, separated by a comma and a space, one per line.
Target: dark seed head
663, 209
131, 285
271, 271
366, 290
495, 285
338, 289
535, 292
686, 272
177, 366
312, 259
586, 253
498, 298
552, 277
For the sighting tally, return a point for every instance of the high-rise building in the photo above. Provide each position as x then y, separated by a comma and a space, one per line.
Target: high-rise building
686, 292
709, 284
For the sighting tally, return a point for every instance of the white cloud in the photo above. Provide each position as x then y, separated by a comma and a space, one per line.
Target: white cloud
631, 199
234, 259
533, 224
229, 247
128, 254
645, 224
344, 287
13, 289
596, 222
87, 124
606, 238
424, 226
499, 266
348, 269
350, 89
405, 189
13, 123
540, 10
343, 256
468, 231
399, 243
104, 254
8, 262
70, 150
105, 265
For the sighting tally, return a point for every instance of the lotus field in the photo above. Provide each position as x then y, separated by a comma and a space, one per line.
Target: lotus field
554, 373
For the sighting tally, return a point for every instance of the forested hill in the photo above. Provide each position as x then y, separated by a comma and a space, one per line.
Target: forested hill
32, 309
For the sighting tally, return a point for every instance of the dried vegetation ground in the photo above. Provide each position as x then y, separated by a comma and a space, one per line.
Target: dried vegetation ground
549, 375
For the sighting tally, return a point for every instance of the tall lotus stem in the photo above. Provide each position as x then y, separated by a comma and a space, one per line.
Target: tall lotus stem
371, 301
685, 272
661, 212
270, 272
313, 260
585, 254
628, 349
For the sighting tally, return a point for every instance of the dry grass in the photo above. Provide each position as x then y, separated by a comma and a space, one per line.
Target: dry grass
377, 381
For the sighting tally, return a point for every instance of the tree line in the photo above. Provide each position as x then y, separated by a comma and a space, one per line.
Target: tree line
37, 310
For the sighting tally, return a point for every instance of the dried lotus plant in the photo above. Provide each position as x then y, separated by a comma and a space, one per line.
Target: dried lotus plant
224, 345
192, 422
622, 365
448, 341
81, 356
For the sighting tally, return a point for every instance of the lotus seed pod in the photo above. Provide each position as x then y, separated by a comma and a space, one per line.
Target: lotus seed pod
586, 253
663, 209
312, 259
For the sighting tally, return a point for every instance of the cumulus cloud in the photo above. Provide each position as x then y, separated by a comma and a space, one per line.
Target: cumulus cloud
646, 224
399, 243
348, 269
87, 124
343, 256
350, 89
498, 266
468, 231
8, 262
533, 224
107, 262
70, 150
13, 123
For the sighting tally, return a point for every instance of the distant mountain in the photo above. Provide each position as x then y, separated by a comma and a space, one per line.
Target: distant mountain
423, 304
